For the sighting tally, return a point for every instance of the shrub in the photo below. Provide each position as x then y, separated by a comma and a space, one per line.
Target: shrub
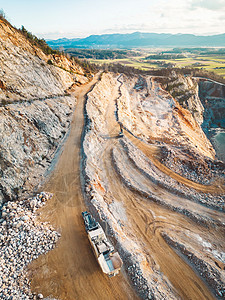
2, 14
4, 102
40, 43
49, 62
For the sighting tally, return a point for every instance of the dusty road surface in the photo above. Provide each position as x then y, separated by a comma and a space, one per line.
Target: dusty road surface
70, 271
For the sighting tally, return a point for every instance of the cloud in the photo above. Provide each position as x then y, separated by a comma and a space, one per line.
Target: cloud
161, 16
125, 28
208, 4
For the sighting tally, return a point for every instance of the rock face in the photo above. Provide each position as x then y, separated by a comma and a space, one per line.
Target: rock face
213, 99
174, 120
205, 99
212, 95
153, 114
29, 135
186, 91
24, 72
35, 109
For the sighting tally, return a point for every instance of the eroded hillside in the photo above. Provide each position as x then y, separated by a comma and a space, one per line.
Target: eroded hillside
35, 109
25, 73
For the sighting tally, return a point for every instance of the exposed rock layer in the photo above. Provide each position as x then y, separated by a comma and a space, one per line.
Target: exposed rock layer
35, 110
24, 72
29, 135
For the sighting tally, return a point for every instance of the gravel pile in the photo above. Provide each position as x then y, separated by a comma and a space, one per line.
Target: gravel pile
22, 239
191, 165
151, 171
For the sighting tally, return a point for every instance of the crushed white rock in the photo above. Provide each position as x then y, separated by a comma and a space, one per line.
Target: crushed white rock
22, 239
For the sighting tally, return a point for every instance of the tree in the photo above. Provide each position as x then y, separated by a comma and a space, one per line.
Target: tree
2, 14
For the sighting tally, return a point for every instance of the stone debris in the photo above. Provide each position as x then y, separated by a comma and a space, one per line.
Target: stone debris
144, 164
211, 274
22, 239
191, 165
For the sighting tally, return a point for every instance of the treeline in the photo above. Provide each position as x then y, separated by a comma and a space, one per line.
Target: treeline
86, 66
165, 72
40, 43
164, 56
198, 51
101, 54
195, 72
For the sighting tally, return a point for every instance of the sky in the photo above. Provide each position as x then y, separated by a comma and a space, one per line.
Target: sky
52, 19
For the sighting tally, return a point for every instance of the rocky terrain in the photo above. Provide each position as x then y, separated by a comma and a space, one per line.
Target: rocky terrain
186, 91
30, 135
154, 162
205, 99
22, 239
36, 110
25, 72
136, 151
99, 104
212, 96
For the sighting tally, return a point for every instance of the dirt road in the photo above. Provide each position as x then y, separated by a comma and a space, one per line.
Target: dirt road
70, 271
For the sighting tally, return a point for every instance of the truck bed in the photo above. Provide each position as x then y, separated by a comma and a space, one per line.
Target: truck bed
110, 263
109, 260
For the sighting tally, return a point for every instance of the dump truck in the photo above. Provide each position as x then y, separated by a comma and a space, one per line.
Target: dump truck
109, 260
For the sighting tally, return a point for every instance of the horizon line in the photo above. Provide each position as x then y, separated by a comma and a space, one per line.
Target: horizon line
129, 33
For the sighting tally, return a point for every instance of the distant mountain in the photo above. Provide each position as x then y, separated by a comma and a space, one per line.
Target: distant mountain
64, 42
139, 39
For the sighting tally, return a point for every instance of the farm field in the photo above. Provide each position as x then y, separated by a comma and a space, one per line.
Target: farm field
156, 59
